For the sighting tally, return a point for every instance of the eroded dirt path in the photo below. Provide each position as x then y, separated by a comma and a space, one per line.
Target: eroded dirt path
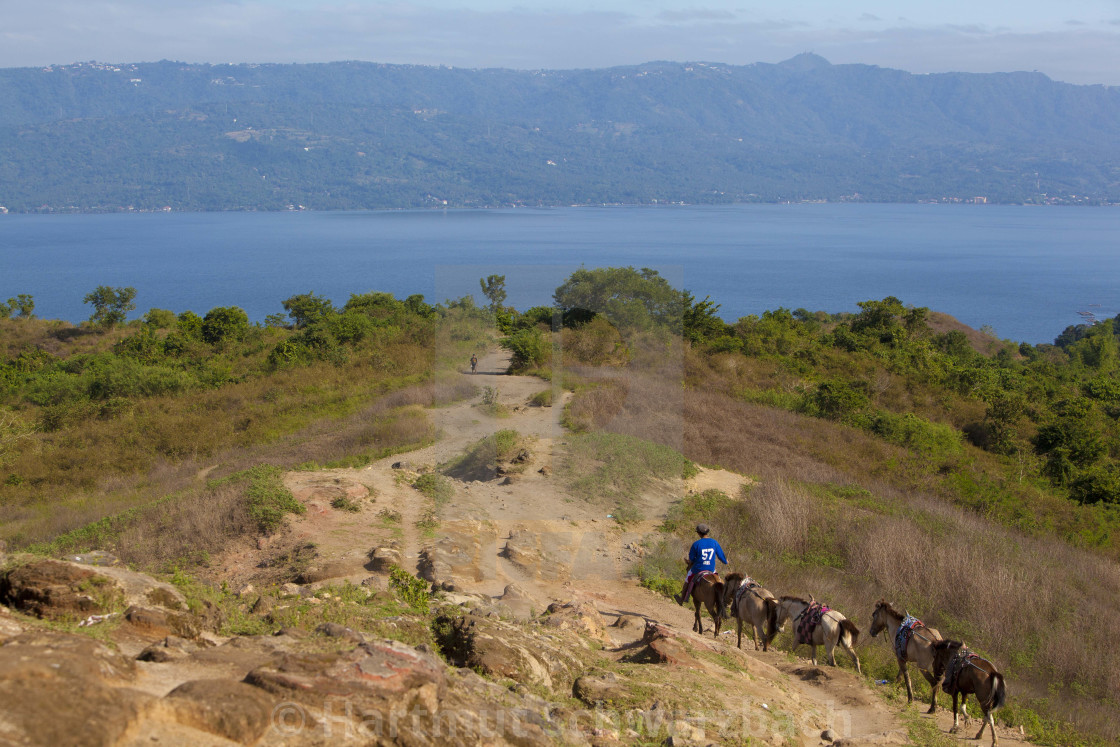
524, 542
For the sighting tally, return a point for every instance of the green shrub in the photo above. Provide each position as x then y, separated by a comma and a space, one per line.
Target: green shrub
409, 589
268, 499
344, 503
542, 399
529, 347
435, 486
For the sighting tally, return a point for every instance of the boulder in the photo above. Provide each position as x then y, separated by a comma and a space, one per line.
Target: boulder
58, 591
600, 688
662, 645
382, 559
233, 710
58, 688
519, 602
579, 617
171, 648
510, 650
158, 623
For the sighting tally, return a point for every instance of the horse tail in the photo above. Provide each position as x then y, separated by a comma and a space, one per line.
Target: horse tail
852, 630
771, 605
997, 698
719, 600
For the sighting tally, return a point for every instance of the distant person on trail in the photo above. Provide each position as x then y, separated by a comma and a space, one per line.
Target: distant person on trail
702, 558
474, 362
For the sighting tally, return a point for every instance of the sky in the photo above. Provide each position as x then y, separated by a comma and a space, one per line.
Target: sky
1076, 41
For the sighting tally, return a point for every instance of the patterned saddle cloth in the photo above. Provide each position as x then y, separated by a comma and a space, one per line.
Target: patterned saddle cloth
809, 621
905, 632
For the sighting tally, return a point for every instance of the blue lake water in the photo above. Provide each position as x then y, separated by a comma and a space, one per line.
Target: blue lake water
1026, 271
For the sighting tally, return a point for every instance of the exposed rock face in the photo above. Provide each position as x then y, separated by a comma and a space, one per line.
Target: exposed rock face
600, 688
233, 710
58, 591
55, 689
579, 617
504, 649
456, 556
662, 645
382, 559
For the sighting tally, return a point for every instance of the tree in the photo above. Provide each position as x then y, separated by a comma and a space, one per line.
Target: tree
22, 306
494, 288
308, 308
224, 322
110, 305
629, 298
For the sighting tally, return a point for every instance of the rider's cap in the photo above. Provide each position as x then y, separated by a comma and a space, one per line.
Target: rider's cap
702, 529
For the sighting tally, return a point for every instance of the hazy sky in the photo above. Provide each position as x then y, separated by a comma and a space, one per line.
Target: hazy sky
1076, 40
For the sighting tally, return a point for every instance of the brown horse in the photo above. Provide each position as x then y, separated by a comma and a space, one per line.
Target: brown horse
919, 648
832, 629
966, 673
748, 605
708, 591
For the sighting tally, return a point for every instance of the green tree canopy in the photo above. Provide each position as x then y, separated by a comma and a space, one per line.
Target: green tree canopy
629, 298
307, 308
110, 305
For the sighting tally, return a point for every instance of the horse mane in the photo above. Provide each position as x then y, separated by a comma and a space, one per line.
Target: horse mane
734, 577
890, 609
786, 598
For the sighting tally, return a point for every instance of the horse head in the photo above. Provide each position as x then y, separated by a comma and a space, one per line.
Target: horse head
877, 618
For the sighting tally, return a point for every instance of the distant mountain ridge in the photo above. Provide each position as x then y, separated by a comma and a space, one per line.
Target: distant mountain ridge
150, 136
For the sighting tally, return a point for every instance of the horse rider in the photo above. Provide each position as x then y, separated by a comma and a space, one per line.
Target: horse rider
702, 558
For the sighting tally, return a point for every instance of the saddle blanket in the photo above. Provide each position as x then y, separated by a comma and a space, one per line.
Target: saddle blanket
810, 619
905, 632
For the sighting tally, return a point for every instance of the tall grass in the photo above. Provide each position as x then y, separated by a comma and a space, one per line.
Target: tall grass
850, 518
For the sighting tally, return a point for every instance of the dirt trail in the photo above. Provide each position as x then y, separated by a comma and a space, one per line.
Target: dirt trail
531, 533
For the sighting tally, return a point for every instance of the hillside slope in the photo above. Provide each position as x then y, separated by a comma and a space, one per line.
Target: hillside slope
537, 599
360, 135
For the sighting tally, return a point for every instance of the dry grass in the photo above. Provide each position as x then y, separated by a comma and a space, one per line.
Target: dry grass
851, 518
391, 422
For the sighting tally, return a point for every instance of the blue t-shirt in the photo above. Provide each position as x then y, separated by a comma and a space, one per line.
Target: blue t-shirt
703, 553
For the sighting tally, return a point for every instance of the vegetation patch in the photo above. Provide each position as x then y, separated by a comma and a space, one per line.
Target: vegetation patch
613, 468
435, 486
481, 459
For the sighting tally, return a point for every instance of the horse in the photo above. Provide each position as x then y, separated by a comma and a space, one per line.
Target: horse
832, 629
966, 673
919, 648
707, 590
748, 604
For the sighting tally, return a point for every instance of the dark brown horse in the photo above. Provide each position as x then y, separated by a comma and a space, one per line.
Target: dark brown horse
748, 605
918, 651
966, 673
708, 591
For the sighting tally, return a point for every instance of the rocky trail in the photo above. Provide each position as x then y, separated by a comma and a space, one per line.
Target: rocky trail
552, 638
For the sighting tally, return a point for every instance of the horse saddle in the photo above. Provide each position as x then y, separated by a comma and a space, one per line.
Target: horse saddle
810, 619
710, 576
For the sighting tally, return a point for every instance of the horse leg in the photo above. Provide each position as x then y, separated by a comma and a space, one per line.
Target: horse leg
717, 616
956, 724
984, 724
739, 631
934, 685
904, 673
813, 653
855, 659
697, 625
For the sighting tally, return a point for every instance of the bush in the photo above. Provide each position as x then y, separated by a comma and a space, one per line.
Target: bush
224, 322
435, 486
268, 499
411, 590
529, 348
